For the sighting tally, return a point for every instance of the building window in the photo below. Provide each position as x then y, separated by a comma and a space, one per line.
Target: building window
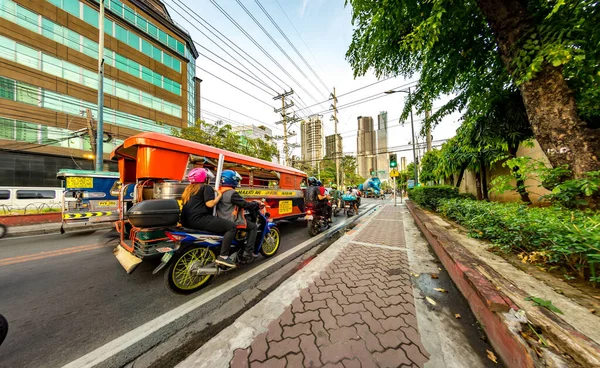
27, 56
108, 26
90, 16
71, 6
115, 6
121, 33
152, 30
52, 65
7, 131
28, 19
141, 22
26, 132
7, 48
133, 40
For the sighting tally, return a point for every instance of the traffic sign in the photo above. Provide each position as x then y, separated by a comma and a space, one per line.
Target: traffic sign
394, 173
411, 183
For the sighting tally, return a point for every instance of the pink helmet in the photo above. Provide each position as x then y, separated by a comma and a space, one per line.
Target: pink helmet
198, 175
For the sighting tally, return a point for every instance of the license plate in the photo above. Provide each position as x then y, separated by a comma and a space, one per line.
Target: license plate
166, 257
308, 217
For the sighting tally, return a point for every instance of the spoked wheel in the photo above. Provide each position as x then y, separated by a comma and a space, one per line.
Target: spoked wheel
178, 277
3, 231
271, 243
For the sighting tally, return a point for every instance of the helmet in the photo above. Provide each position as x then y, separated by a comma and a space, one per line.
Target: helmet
230, 178
312, 181
319, 183
199, 175
334, 186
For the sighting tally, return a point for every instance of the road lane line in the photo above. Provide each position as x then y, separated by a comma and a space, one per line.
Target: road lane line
47, 252
44, 255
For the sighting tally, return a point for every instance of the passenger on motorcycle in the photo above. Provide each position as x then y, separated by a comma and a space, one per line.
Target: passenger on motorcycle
313, 194
232, 206
324, 201
198, 200
335, 194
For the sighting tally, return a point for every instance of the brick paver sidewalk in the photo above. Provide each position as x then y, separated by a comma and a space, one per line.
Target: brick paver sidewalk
359, 312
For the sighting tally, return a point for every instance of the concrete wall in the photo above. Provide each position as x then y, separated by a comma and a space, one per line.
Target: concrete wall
468, 184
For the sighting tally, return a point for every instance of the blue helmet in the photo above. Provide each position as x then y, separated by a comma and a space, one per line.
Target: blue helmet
319, 183
230, 178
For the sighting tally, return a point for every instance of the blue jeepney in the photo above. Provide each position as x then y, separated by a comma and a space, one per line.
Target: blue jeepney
89, 196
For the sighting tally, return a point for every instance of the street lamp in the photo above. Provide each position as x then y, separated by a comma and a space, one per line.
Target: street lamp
412, 126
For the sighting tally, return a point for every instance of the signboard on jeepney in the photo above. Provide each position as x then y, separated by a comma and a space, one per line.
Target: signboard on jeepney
79, 182
285, 207
268, 193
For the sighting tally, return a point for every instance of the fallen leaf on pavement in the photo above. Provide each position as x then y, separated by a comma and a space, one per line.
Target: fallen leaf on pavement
491, 356
457, 316
415, 274
439, 269
430, 301
434, 276
441, 290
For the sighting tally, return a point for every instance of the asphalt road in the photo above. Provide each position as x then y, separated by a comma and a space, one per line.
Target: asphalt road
66, 295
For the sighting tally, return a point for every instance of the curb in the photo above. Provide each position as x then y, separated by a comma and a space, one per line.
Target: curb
130, 349
487, 303
13, 232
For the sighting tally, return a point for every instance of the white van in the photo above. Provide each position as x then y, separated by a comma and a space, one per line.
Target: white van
20, 198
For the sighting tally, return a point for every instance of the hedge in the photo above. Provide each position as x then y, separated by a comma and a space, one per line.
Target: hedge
429, 197
556, 236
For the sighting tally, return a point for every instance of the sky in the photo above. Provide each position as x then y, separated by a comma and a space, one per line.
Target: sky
321, 31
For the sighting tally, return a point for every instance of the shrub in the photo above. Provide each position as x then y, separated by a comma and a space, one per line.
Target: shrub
565, 237
429, 197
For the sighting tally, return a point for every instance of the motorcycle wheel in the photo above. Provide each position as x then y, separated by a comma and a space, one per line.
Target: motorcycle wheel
313, 227
271, 243
3, 231
350, 213
177, 276
3, 328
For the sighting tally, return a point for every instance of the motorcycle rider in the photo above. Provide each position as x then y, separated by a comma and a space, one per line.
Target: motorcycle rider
232, 206
324, 202
198, 200
335, 194
312, 194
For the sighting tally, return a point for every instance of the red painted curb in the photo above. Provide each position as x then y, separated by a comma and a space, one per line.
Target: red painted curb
20, 220
486, 302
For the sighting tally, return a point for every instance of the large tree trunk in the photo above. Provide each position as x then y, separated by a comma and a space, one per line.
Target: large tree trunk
460, 177
550, 104
478, 184
484, 188
521, 189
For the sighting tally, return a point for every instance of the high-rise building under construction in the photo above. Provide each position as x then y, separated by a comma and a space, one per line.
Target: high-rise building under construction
311, 140
366, 147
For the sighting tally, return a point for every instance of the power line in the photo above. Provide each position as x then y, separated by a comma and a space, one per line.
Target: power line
291, 44
228, 108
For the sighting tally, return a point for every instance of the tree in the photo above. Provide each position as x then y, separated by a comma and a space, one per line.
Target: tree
475, 49
221, 136
429, 164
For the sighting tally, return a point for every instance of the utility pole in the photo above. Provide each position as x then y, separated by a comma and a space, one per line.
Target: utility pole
90, 129
428, 131
100, 127
284, 121
335, 139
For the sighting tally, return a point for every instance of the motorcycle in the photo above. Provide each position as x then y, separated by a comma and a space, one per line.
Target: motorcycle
191, 259
3, 231
335, 207
351, 204
3, 328
316, 222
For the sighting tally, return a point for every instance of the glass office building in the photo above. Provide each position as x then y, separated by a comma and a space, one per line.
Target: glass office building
49, 78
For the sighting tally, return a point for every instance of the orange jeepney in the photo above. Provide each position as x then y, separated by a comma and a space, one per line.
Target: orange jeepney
156, 166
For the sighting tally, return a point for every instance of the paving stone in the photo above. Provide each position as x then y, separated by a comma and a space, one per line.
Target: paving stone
240, 359
341, 298
410, 320
327, 288
271, 363
354, 308
349, 319
392, 339
311, 306
322, 296
336, 352
336, 309
333, 281
259, 348
361, 290
380, 293
415, 355
394, 310
392, 358
345, 290
365, 282
319, 282
313, 289
394, 300
310, 350
297, 306
295, 360
373, 324
376, 300
354, 363
287, 318
332, 365
357, 298
371, 341
343, 334
305, 296
274, 331
412, 334
321, 334
312, 315
362, 354
375, 311
329, 320
283, 347
394, 323
296, 330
